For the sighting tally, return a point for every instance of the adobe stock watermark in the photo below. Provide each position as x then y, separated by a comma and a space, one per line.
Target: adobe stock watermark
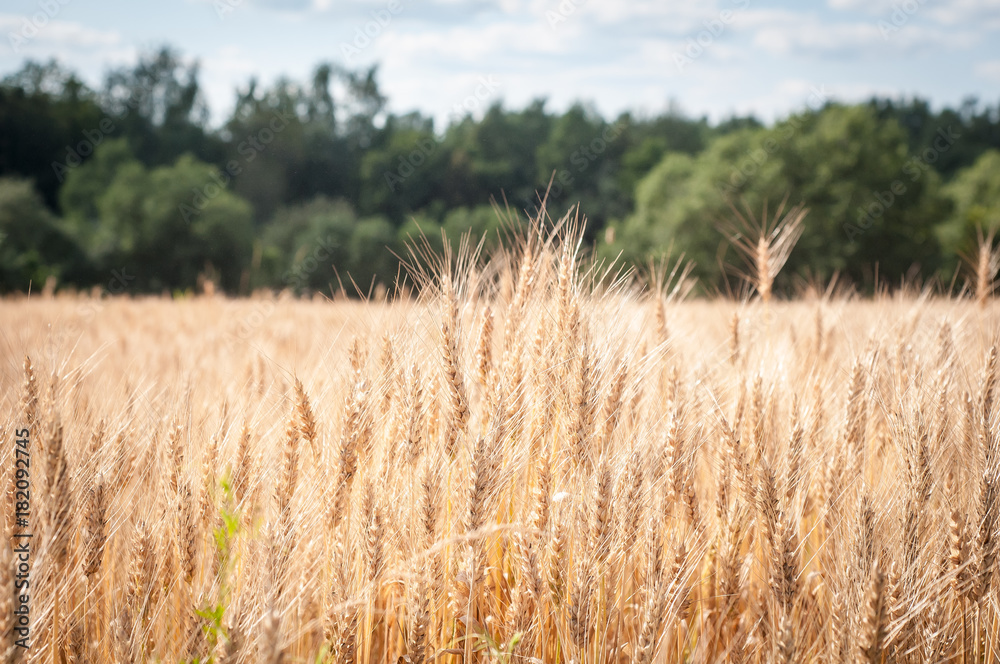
914, 169
695, 46
370, 31
901, 14
88, 311
296, 278
488, 85
223, 7
75, 154
753, 160
32, 25
249, 148
562, 13
584, 156
408, 164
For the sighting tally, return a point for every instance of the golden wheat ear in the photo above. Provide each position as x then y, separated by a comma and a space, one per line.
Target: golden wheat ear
668, 282
765, 244
982, 266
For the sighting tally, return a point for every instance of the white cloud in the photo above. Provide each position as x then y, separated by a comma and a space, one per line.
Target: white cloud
981, 14
87, 51
814, 38
672, 17
477, 45
868, 6
984, 13
784, 33
53, 32
776, 100
989, 70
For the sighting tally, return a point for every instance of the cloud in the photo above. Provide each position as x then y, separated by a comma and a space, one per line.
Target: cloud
766, 102
478, 45
984, 14
989, 70
981, 14
435, 12
669, 17
87, 51
816, 39
867, 6
52, 32
784, 33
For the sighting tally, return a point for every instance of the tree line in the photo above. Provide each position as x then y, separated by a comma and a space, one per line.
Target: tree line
310, 185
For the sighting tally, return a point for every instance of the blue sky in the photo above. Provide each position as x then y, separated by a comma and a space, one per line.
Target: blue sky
714, 58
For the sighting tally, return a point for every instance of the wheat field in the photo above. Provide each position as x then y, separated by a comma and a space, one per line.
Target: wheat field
536, 460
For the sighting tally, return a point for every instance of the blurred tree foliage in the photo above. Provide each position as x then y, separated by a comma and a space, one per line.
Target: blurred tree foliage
314, 184
32, 246
168, 224
870, 200
975, 191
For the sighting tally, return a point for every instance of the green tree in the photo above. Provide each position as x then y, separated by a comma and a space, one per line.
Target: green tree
32, 246
583, 151
48, 117
321, 245
479, 223
978, 127
403, 174
158, 105
660, 214
83, 188
975, 193
870, 201
175, 222
496, 156
293, 142
371, 260
304, 246
420, 232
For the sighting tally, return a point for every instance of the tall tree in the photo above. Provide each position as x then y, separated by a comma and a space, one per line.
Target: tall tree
975, 193
159, 105
32, 246
49, 122
872, 204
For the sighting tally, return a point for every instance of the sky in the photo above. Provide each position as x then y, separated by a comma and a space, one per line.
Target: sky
446, 56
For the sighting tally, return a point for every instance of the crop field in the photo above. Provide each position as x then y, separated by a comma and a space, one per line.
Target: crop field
534, 460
